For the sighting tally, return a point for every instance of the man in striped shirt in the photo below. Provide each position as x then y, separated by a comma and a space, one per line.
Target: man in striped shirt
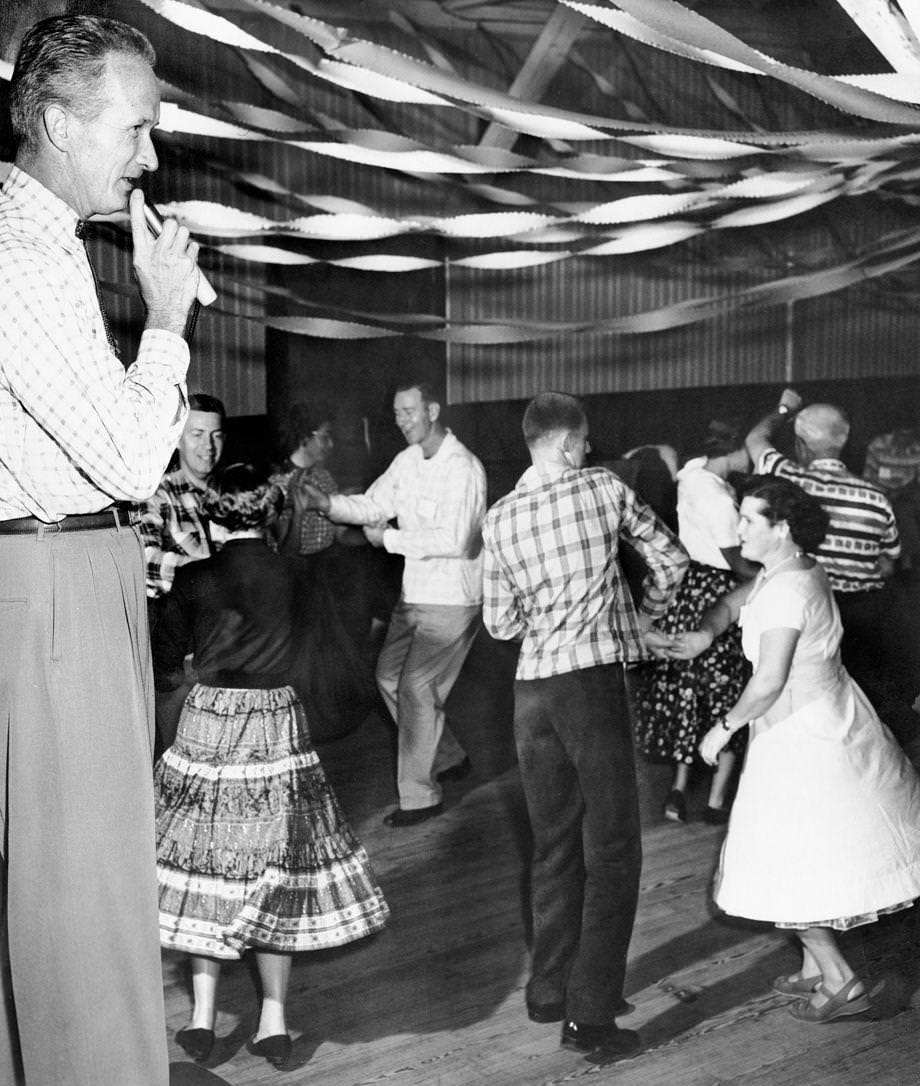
859, 551
551, 578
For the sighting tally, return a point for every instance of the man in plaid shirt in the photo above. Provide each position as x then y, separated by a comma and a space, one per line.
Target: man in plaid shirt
172, 525
551, 578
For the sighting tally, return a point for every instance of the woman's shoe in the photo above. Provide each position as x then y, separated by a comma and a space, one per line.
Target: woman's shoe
786, 986
675, 806
196, 1042
716, 816
838, 1004
276, 1049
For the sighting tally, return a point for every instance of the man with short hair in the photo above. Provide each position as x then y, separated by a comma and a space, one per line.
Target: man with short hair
172, 525
552, 579
82, 996
175, 531
859, 550
435, 489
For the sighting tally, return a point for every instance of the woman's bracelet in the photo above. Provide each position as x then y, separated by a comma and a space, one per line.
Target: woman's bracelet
725, 724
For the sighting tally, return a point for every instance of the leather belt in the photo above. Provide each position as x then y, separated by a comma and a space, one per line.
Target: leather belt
113, 517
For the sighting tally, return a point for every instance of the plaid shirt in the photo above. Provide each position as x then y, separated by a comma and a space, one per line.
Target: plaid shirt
173, 530
862, 528
552, 575
316, 531
77, 431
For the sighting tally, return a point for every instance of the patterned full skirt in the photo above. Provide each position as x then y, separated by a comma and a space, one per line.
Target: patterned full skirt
678, 701
253, 849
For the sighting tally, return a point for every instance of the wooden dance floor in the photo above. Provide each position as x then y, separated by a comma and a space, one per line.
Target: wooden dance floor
437, 998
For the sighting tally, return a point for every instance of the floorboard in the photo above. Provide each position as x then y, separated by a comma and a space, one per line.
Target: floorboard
437, 998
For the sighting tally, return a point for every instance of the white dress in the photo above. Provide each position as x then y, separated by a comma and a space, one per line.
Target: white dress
825, 828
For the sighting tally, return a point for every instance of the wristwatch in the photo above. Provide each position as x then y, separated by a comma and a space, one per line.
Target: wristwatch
783, 409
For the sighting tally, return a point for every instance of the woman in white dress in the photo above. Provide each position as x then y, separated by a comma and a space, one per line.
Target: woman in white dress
824, 834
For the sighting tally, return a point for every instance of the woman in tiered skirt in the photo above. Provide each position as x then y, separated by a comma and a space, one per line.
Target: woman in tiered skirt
253, 850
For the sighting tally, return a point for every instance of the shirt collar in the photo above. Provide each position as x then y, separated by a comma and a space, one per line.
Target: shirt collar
698, 463
828, 463
57, 218
547, 473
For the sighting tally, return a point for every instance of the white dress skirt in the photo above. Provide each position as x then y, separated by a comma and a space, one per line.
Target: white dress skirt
825, 827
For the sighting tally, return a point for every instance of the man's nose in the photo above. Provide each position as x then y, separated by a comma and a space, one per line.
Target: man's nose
147, 155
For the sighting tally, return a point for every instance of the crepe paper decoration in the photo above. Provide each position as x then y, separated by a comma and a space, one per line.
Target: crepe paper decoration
888, 31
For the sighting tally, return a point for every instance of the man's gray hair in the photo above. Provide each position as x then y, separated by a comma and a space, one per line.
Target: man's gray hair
61, 62
823, 428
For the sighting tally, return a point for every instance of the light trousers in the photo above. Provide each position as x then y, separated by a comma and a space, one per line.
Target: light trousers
80, 960
421, 658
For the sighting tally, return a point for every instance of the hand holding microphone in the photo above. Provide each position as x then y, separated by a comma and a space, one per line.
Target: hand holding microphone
165, 263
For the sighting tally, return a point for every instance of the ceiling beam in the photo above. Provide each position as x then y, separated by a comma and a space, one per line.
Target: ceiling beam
546, 57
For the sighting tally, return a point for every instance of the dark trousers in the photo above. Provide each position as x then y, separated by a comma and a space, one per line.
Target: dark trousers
575, 749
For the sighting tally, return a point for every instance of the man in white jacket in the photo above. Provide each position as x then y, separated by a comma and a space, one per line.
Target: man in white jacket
435, 490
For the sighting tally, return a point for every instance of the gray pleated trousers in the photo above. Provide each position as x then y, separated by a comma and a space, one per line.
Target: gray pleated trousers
80, 962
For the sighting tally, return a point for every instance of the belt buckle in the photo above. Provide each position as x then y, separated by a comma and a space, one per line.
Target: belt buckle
56, 526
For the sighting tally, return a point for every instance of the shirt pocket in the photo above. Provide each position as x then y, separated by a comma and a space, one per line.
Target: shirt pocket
427, 509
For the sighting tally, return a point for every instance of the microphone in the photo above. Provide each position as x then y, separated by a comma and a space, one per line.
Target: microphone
207, 295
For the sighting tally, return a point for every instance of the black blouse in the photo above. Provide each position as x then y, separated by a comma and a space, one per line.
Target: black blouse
234, 612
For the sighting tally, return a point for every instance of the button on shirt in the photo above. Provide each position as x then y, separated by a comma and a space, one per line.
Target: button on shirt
173, 531
77, 431
551, 574
862, 524
438, 503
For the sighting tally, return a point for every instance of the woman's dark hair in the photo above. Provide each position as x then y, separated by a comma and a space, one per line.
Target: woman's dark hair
62, 61
784, 501
721, 438
241, 498
302, 421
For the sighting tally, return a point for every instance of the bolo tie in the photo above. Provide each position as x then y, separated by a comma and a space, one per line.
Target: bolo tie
81, 230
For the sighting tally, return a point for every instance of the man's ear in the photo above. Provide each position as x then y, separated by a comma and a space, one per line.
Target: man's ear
434, 411
57, 122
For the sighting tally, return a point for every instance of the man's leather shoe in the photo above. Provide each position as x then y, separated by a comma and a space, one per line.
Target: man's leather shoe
399, 817
586, 1038
455, 772
545, 1012
276, 1048
196, 1042
623, 1044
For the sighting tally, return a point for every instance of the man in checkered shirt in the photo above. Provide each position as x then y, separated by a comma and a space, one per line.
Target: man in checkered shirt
80, 977
173, 528
175, 531
551, 578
